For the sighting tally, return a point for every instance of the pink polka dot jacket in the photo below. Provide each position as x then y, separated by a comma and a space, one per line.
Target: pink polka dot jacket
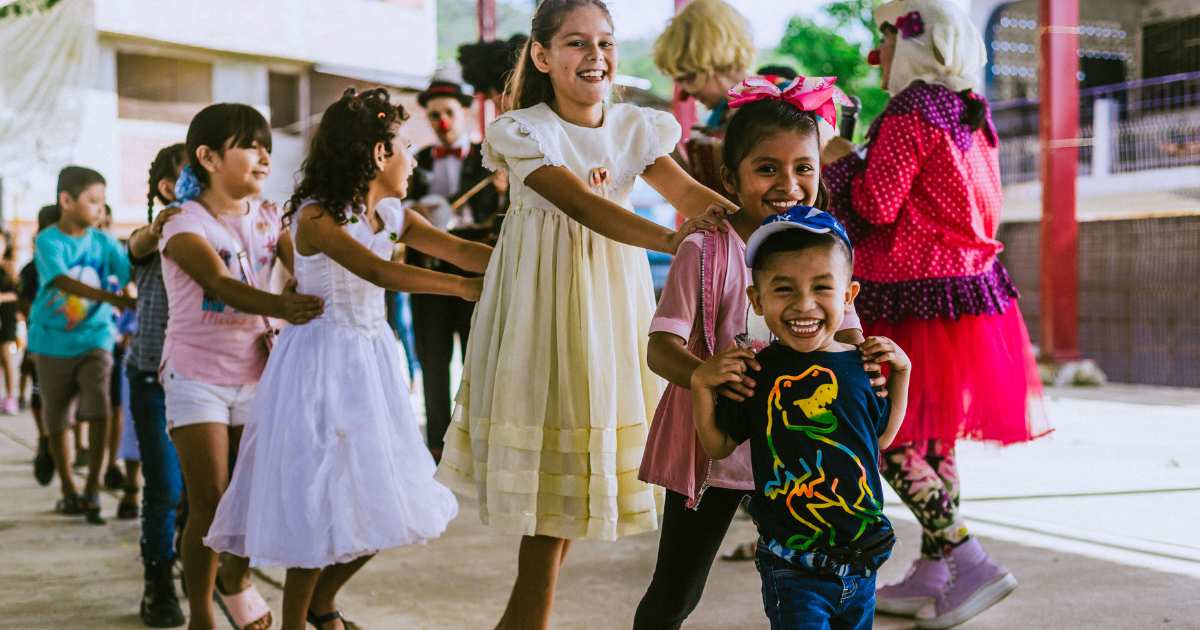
922, 210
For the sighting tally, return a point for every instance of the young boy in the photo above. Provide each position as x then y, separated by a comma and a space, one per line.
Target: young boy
814, 423
71, 332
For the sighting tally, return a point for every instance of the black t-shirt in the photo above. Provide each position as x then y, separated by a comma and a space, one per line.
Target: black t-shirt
813, 424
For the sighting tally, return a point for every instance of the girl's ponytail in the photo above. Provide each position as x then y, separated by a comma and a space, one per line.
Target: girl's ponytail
527, 86
166, 165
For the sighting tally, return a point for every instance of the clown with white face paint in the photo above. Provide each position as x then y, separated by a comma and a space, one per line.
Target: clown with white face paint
450, 169
922, 202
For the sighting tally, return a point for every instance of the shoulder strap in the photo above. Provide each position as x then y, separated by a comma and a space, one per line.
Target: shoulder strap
243, 257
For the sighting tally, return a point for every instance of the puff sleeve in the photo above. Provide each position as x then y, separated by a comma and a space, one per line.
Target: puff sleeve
519, 147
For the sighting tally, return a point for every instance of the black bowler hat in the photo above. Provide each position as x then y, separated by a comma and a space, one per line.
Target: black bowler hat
439, 88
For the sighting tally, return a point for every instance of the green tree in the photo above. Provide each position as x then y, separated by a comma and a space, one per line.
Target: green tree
25, 7
823, 50
457, 23
635, 60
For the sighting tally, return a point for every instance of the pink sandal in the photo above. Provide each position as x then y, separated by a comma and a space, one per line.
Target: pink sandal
245, 608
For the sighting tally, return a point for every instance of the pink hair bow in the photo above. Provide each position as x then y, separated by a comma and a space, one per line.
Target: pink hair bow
809, 94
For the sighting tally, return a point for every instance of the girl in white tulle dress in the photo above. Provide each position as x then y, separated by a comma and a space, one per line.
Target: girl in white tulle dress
556, 395
333, 467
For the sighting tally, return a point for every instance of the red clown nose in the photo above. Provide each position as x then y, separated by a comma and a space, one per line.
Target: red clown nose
443, 125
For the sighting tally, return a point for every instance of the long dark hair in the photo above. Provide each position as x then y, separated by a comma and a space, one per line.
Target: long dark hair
528, 86
225, 123
166, 165
341, 161
753, 123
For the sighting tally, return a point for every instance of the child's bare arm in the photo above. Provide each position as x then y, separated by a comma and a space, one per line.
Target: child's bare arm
668, 356
568, 193
464, 254
144, 240
878, 351
681, 190
723, 369
70, 285
320, 231
196, 257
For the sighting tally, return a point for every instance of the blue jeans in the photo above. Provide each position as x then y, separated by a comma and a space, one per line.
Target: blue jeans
160, 467
797, 599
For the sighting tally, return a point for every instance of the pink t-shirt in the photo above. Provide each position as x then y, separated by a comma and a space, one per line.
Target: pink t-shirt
208, 340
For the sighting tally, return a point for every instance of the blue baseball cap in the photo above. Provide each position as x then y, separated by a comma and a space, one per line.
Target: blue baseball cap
800, 217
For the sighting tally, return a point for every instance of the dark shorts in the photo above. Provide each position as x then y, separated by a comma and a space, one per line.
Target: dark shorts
8, 324
74, 387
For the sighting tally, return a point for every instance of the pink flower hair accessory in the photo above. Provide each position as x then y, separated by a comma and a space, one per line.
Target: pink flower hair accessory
910, 25
809, 94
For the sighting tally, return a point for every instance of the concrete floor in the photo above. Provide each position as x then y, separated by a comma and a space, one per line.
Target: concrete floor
57, 572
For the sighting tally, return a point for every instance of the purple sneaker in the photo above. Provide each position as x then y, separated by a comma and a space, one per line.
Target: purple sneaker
976, 584
926, 579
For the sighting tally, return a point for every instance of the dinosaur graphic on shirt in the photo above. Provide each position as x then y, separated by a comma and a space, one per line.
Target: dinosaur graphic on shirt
801, 404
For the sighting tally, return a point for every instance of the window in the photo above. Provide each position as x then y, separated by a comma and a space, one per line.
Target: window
284, 100
162, 88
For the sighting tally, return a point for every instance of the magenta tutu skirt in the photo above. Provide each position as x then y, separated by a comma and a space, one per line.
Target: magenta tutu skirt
973, 377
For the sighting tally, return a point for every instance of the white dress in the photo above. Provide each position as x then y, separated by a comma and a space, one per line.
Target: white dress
332, 465
556, 396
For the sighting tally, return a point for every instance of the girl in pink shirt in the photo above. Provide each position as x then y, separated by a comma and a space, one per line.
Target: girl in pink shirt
771, 163
217, 256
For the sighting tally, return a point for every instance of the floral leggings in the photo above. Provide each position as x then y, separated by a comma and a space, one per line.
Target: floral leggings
925, 475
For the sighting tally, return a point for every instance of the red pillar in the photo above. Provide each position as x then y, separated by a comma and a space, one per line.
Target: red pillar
486, 12
1059, 118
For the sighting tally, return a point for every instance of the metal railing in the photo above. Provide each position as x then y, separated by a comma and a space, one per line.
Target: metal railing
1125, 127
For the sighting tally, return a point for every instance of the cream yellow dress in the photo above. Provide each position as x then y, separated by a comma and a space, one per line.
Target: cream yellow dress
556, 397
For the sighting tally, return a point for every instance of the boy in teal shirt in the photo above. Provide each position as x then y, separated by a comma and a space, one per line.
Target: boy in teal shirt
71, 335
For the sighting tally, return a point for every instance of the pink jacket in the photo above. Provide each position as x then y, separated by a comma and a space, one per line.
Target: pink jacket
704, 301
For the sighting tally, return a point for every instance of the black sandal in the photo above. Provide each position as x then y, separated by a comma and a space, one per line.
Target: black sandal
91, 509
319, 620
70, 505
127, 511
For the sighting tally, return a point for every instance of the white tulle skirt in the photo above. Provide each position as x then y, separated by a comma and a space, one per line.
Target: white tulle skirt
332, 465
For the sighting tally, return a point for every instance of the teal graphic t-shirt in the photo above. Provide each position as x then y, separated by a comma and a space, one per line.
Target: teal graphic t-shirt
66, 325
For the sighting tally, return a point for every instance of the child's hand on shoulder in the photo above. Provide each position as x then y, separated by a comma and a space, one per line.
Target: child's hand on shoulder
164, 215
876, 352
726, 371
711, 221
881, 350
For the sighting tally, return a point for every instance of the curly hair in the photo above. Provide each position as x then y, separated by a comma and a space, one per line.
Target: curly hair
166, 165
487, 65
341, 161
706, 37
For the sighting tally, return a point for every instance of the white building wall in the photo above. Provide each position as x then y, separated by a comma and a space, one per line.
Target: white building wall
386, 37
390, 41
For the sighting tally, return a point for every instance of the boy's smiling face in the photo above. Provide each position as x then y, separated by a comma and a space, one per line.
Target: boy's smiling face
802, 294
